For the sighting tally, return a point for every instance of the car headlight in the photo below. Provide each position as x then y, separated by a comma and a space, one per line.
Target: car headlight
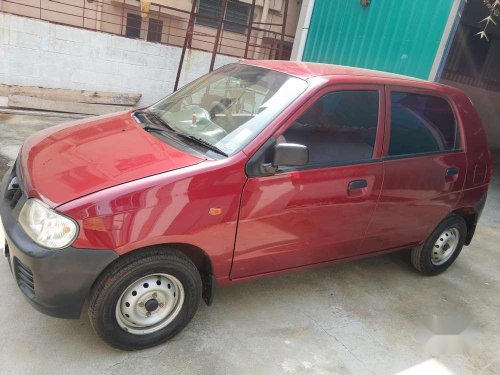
47, 227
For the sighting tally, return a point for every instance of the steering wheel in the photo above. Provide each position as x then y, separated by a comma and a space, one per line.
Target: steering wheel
229, 116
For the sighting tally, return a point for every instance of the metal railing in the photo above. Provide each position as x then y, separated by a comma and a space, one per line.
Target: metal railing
164, 24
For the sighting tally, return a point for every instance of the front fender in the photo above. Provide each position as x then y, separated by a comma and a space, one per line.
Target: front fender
196, 205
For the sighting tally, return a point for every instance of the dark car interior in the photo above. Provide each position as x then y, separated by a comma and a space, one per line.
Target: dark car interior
341, 126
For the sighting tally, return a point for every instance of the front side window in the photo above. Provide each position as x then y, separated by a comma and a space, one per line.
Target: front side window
229, 107
339, 127
421, 124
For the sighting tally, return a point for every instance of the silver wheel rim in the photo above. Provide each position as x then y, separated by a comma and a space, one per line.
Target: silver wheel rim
149, 304
445, 246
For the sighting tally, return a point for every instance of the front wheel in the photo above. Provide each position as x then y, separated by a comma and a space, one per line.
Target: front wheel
442, 247
145, 299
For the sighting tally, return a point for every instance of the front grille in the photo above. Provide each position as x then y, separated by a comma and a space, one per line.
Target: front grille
24, 278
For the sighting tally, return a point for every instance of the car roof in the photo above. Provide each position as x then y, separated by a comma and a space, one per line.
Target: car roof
307, 70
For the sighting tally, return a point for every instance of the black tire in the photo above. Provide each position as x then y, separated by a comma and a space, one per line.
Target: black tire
114, 281
421, 257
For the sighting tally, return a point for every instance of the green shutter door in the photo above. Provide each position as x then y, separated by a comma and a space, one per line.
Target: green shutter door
399, 36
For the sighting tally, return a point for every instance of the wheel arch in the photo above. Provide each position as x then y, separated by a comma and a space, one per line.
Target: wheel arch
198, 256
203, 263
470, 216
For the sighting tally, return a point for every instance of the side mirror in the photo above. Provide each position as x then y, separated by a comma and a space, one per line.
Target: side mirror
290, 155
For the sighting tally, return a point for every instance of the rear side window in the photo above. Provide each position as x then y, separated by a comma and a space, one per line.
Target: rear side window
341, 126
421, 124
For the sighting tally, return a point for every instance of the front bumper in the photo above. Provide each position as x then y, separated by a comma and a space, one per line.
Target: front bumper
55, 282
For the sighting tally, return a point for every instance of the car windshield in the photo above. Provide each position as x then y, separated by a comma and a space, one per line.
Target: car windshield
230, 106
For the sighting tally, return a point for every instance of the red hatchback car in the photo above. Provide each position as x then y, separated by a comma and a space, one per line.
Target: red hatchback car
257, 168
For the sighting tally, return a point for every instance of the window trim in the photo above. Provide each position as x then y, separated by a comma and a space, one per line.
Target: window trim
314, 96
423, 154
389, 89
327, 165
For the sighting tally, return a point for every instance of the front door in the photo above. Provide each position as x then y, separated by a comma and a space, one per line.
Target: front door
319, 212
424, 169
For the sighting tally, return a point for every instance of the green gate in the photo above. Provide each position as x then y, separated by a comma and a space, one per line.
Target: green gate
399, 36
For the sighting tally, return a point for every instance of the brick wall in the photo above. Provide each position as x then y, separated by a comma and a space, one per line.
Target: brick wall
38, 53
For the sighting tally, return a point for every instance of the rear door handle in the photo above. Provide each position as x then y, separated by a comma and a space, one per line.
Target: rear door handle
357, 184
453, 171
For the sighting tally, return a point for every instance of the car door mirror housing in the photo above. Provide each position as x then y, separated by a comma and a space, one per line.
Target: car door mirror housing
290, 155
277, 155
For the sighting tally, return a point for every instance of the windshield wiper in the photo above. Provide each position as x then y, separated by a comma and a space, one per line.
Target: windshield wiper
160, 120
150, 128
155, 119
203, 143
167, 129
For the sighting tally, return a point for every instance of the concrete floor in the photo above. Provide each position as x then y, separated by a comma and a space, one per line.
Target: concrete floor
372, 316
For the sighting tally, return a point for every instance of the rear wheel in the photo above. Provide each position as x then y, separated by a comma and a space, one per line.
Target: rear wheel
145, 299
442, 247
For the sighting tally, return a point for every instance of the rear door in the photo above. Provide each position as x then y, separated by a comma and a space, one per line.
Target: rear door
424, 168
318, 212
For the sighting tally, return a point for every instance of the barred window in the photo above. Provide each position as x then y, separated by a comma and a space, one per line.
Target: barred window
155, 29
133, 28
235, 19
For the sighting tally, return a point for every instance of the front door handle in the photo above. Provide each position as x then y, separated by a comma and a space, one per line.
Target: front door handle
357, 184
453, 171
357, 188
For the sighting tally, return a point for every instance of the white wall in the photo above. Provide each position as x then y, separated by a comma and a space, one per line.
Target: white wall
487, 104
38, 53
